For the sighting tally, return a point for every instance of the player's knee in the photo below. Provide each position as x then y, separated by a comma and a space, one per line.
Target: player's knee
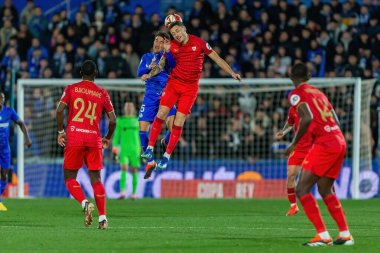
179, 119
324, 192
162, 113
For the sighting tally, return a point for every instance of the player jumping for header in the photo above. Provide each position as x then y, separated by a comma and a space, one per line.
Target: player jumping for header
154, 70
183, 84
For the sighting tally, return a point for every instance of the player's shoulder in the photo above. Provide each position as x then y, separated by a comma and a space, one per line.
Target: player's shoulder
294, 97
147, 55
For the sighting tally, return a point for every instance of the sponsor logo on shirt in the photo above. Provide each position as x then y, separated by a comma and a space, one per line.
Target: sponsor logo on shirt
194, 48
72, 128
329, 129
4, 125
86, 131
294, 99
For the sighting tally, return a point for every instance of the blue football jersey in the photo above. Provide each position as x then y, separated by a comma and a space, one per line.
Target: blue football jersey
155, 85
6, 115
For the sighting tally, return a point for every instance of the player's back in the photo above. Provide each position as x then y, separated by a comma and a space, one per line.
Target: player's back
323, 125
86, 102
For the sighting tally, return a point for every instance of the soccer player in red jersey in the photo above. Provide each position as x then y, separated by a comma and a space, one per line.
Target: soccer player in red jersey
324, 160
83, 143
182, 87
295, 158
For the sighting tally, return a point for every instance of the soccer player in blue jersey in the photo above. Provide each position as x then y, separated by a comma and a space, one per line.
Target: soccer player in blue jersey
6, 116
154, 69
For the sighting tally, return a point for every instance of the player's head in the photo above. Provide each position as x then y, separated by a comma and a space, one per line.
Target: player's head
159, 39
178, 31
300, 73
88, 70
129, 109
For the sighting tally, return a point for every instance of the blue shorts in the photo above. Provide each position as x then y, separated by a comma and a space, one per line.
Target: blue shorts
5, 158
149, 111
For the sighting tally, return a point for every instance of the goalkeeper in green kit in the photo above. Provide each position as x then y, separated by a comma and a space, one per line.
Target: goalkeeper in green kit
127, 147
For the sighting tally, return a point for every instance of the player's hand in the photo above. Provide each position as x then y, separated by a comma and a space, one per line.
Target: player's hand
62, 140
167, 45
105, 143
236, 76
290, 149
153, 63
279, 135
28, 143
145, 77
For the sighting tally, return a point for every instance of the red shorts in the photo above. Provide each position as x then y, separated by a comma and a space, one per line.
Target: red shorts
75, 157
180, 94
325, 161
297, 157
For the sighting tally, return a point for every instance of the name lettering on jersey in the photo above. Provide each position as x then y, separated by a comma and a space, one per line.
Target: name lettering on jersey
194, 48
88, 92
294, 99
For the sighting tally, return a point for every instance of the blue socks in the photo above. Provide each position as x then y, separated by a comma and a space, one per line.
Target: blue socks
144, 139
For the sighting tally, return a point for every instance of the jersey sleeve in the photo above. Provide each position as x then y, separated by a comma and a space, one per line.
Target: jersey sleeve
14, 115
108, 106
295, 99
144, 65
66, 96
206, 48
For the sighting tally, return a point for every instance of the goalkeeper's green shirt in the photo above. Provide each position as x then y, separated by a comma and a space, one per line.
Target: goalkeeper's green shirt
127, 134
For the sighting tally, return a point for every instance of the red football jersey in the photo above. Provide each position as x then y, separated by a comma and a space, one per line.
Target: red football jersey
86, 102
323, 124
189, 59
293, 120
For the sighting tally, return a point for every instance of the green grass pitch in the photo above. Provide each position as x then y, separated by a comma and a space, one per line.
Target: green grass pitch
148, 225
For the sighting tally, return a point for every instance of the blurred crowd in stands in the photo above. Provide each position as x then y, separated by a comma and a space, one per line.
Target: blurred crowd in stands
257, 38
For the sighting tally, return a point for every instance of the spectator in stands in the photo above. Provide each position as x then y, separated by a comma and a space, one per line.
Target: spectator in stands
38, 25
27, 12
132, 59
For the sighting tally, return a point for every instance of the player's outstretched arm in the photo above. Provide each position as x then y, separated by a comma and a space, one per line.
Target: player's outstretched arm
24, 130
224, 65
306, 116
111, 129
61, 139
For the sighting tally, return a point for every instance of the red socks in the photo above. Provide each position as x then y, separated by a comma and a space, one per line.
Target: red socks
100, 197
75, 190
174, 138
155, 131
310, 206
292, 196
336, 211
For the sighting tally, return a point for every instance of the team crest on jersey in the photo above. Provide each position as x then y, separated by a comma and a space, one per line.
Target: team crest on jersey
294, 99
175, 50
194, 48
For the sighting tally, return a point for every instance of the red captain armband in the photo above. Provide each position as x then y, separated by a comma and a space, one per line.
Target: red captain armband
114, 150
